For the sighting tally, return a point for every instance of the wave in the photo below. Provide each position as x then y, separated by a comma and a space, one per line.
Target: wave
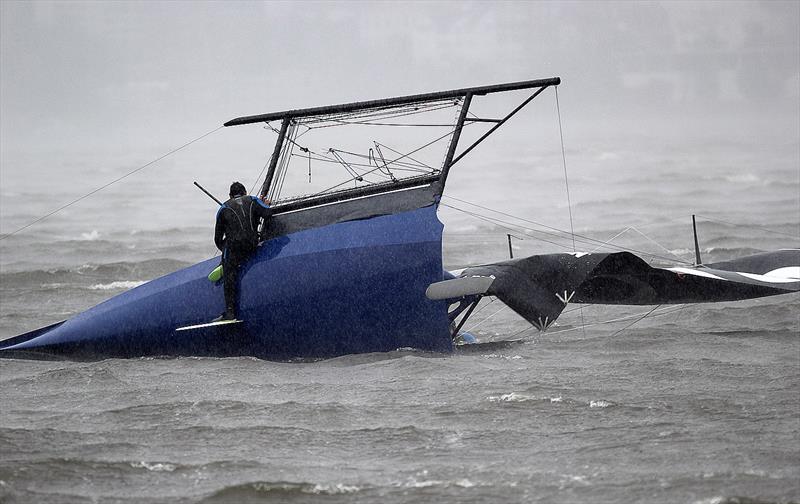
413, 482
760, 332
124, 271
719, 499
246, 492
285, 490
155, 466
81, 466
125, 284
518, 397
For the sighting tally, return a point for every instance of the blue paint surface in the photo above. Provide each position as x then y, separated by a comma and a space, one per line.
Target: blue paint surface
350, 287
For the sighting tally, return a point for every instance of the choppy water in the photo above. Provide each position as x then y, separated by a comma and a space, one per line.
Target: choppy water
699, 404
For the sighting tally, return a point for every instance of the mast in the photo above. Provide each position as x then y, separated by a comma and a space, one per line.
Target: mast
276, 153
448, 162
698, 261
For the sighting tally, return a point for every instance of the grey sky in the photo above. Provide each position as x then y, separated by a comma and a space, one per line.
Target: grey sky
129, 80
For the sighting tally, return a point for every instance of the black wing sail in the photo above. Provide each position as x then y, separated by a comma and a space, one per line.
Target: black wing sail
539, 287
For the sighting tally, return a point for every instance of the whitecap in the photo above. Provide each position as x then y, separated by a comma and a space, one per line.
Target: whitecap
500, 356
94, 235
600, 404
338, 488
156, 467
427, 483
711, 500
577, 478
129, 284
412, 483
511, 397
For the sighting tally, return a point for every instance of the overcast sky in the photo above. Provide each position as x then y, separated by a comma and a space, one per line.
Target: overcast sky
130, 80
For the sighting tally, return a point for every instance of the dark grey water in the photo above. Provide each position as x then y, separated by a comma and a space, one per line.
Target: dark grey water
658, 414
696, 404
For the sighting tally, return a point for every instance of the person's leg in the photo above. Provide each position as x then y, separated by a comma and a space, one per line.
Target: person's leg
230, 277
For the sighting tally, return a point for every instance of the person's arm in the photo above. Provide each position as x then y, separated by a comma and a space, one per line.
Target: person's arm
263, 212
219, 231
262, 209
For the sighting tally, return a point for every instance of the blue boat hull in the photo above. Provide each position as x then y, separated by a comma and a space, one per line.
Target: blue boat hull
349, 287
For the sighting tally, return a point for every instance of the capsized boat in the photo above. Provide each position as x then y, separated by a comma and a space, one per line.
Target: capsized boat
360, 269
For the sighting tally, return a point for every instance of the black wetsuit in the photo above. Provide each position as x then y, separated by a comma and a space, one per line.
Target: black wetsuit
236, 235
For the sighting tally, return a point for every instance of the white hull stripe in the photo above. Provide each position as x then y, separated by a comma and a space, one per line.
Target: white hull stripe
210, 324
780, 275
695, 272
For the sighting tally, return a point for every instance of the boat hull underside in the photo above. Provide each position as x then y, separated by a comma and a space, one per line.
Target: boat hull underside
349, 287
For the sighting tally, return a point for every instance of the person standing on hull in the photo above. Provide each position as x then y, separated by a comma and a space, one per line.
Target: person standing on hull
236, 235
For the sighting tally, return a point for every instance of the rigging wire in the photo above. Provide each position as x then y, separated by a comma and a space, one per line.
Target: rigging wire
583, 237
491, 300
286, 155
750, 226
393, 115
90, 193
391, 162
632, 228
260, 174
369, 123
355, 175
503, 224
475, 326
588, 240
608, 242
566, 185
371, 116
388, 112
383, 160
404, 166
456, 114
566, 179
383, 112
637, 320
264, 168
420, 163
665, 249
384, 170
666, 311
325, 159
585, 240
